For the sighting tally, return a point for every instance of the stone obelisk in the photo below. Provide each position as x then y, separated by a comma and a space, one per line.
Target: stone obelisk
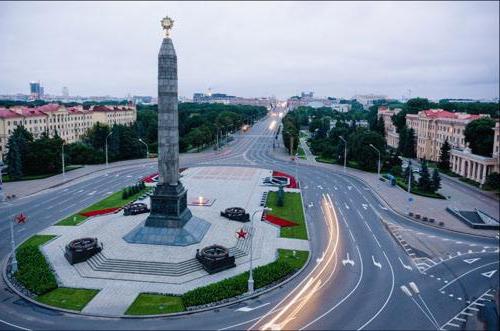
169, 202
170, 221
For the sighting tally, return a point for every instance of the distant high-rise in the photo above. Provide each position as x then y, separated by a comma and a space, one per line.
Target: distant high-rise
36, 90
65, 92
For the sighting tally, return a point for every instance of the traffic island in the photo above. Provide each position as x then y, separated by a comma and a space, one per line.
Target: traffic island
120, 270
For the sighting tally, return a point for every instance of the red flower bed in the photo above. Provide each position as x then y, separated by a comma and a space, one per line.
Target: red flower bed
279, 221
293, 181
99, 212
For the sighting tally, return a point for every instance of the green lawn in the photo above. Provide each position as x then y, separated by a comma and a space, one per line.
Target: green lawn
301, 153
325, 160
112, 201
155, 304
401, 183
291, 211
296, 261
37, 240
7, 179
68, 298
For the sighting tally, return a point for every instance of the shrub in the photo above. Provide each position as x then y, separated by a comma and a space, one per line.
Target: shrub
124, 194
237, 285
34, 273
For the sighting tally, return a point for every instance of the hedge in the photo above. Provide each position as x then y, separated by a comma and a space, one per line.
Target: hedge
237, 285
34, 273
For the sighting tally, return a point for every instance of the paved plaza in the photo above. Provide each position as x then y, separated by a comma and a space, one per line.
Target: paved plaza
124, 270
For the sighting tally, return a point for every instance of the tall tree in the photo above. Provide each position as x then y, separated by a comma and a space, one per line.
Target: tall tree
424, 182
479, 134
436, 181
20, 140
411, 144
444, 156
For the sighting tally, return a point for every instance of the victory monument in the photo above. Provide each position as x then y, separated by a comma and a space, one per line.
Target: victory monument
170, 221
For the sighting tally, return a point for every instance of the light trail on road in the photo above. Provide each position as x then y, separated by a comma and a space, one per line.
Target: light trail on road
300, 295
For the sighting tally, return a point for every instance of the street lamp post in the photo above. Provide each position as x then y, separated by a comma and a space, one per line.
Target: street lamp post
250, 278
378, 168
147, 149
410, 170
13, 244
62, 159
2, 195
109, 134
345, 152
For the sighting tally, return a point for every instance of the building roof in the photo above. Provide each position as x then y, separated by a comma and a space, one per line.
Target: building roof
440, 113
7, 113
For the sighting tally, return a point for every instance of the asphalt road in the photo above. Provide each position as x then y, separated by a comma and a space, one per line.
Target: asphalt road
357, 269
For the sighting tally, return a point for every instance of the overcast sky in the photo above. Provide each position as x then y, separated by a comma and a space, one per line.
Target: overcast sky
448, 49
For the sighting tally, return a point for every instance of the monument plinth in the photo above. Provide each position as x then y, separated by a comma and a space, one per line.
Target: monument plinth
170, 221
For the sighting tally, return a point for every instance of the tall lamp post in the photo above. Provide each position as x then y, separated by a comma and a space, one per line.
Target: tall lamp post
62, 159
378, 168
13, 246
147, 149
2, 195
250, 278
410, 170
109, 134
345, 152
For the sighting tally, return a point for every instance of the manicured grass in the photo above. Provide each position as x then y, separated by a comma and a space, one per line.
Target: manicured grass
296, 261
37, 240
68, 298
7, 179
112, 201
325, 160
154, 304
401, 183
291, 211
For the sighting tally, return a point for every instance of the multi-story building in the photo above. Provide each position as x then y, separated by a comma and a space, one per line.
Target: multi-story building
434, 126
368, 100
391, 136
36, 90
476, 167
70, 123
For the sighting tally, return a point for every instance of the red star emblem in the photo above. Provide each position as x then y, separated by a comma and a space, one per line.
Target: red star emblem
21, 218
242, 234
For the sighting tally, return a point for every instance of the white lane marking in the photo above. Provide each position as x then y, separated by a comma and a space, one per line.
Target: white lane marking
489, 273
407, 266
376, 240
382, 207
349, 187
470, 261
360, 215
375, 263
14, 325
348, 261
368, 227
92, 193
365, 206
320, 187
468, 272
80, 191
343, 299
346, 206
463, 312
335, 188
388, 297
353, 240
247, 309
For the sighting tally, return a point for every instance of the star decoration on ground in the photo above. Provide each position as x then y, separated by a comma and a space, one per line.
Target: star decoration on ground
21, 219
242, 234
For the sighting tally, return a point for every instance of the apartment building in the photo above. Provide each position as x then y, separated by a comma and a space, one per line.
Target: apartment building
391, 136
69, 122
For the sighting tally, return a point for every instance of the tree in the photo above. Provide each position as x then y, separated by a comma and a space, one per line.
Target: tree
360, 150
424, 182
415, 105
436, 181
44, 156
411, 144
408, 173
18, 145
479, 135
444, 156
492, 181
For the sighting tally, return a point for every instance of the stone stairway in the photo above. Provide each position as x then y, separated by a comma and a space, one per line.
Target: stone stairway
100, 262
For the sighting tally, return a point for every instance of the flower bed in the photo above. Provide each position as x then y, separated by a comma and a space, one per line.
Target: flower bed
99, 212
279, 221
293, 181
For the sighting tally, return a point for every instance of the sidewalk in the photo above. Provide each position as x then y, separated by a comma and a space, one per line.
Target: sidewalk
397, 198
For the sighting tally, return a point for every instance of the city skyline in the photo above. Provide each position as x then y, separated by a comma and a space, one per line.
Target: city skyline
436, 50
